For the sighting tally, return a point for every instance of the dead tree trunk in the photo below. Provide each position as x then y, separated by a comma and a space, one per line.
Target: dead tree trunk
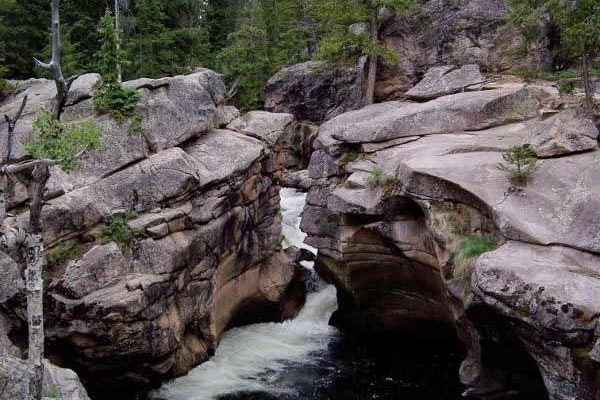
35, 282
372, 77
10, 137
587, 83
310, 28
62, 85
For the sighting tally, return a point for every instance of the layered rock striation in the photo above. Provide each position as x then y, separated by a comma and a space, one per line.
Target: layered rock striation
158, 242
402, 194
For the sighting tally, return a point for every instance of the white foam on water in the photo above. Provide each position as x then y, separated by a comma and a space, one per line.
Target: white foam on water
292, 204
251, 357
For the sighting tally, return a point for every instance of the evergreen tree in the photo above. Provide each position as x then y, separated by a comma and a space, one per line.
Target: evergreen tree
271, 36
246, 60
110, 55
150, 42
578, 23
187, 21
222, 17
4, 86
24, 35
112, 97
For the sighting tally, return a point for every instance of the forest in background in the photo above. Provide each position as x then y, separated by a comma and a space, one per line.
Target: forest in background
249, 40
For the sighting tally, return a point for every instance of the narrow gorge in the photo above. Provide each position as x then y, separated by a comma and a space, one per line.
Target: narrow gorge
428, 231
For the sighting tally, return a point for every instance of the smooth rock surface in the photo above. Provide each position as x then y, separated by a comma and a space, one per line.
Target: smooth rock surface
59, 383
570, 131
442, 81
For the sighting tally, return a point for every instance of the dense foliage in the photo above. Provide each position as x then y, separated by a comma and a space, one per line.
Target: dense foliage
248, 41
572, 30
578, 24
62, 141
116, 100
112, 97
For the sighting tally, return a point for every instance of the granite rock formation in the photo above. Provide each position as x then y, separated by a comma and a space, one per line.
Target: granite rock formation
158, 242
399, 188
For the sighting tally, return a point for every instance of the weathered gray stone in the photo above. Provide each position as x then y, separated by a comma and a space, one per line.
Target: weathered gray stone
457, 33
83, 88
396, 189
183, 109
552, 290
59, 383
225, 115
570, 131
460, 112
314, 91
204, 250
219, 155
11, 281
266, 126
83, 277
442, 81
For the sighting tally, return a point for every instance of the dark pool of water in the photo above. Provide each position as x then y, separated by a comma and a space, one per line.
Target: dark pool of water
380, 370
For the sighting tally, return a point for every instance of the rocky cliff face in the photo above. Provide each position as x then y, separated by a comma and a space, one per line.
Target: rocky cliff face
452, 32
199, 207
399, 188
443, 33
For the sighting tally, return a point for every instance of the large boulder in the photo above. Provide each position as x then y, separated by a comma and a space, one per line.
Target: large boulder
59, 383
551, 293
570, 131
442, 81
399, 191
314, 91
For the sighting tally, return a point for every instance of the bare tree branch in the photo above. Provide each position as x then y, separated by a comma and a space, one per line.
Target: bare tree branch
21, 108
27, 165
233, 89
12, 122
42, 64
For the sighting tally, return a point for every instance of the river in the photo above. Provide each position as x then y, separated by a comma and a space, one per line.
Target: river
306, 359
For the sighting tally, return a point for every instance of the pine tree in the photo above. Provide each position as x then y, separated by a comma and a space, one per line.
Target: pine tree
246, 59
22, 35
4, 86
578, 24
150, 43
271, 35
110, 55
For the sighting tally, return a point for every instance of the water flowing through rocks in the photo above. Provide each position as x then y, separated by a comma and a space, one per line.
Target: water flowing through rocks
251, 358
305, 358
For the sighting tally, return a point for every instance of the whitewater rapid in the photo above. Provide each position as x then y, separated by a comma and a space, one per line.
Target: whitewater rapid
253, 358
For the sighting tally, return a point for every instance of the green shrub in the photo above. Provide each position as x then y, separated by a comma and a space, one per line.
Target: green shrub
136, 125
377, 177
117, 230
567, 88
467, 250
116, 100
62, 141
5, 86
520, 161
52, 393
473, 246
